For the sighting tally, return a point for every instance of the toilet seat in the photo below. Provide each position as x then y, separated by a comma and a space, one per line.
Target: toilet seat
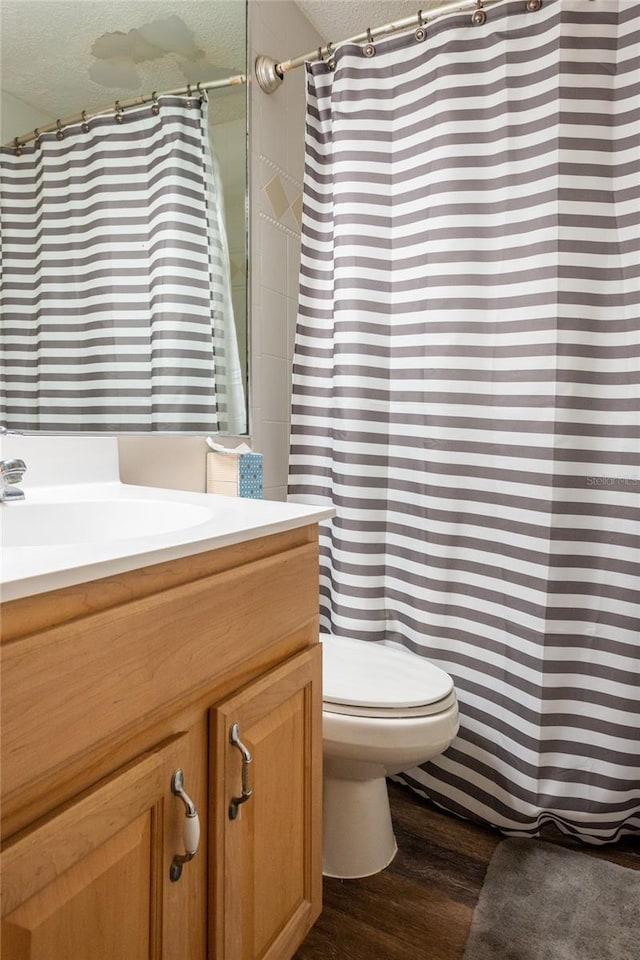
372, 680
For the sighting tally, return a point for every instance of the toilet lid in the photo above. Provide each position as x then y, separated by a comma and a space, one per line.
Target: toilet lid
361, 674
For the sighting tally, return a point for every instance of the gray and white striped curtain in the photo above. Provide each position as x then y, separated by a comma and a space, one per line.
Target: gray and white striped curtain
466, 391
115, 301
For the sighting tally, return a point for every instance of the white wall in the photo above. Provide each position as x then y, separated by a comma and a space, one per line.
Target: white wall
18, 117
278, 29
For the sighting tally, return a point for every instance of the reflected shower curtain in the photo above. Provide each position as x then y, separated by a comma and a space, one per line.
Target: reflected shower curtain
466, 391
116, 309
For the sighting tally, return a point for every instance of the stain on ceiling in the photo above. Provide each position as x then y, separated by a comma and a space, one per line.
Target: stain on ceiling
62, 56
118, 54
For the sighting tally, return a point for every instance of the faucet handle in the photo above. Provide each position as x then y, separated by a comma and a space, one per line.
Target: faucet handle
12, 471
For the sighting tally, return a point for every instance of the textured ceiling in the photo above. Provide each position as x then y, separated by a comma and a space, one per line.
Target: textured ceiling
65, 55
337, 20
62, 56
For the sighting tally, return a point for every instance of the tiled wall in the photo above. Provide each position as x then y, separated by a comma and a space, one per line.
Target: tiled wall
278, 29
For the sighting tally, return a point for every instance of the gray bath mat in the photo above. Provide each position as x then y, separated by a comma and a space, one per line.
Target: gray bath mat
541, 902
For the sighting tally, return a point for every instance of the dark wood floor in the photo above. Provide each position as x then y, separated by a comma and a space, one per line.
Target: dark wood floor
420, 907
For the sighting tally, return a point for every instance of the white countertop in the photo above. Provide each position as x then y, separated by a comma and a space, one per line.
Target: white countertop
28, 570
78, 522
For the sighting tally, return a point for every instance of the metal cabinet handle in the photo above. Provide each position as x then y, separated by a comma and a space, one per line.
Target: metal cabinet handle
236, 802
191, 827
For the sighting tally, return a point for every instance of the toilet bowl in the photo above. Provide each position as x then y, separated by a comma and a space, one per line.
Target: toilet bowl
384, 711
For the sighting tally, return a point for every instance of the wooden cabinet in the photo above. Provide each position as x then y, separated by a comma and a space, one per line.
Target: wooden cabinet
265, 852
90, 880
108, 689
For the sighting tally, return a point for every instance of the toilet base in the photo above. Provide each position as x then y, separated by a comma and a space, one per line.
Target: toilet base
358, 834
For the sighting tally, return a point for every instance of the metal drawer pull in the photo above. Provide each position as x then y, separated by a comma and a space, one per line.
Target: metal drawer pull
234, 739
191, 827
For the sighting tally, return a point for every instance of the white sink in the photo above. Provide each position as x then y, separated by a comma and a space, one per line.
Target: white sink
26, 524
79, 522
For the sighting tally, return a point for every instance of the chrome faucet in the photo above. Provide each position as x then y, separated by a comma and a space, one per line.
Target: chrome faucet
11, 473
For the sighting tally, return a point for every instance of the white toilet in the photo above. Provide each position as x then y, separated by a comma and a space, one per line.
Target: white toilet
384, 710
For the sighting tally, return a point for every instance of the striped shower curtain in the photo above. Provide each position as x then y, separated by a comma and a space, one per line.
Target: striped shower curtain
466, 391
115, 299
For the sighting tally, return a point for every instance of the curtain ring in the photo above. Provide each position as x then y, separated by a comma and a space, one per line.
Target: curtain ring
331, 62
37, 142
421, 32
203, 93
17, 146
155, 106
119, 113
478, 16
85, 122
533, 5
369, 50
60, 131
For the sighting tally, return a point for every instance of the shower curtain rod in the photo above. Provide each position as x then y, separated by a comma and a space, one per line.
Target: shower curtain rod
119, 106
270, 73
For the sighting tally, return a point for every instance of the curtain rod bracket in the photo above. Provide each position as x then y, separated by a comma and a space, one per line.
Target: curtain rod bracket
268, 75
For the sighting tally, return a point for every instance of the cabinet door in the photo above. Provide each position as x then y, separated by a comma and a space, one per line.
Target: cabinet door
91, 882
266, 863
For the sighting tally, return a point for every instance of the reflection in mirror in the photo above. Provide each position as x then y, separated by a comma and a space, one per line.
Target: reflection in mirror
124, 300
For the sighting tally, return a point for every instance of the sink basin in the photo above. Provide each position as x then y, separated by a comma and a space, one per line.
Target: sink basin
80, 523
64, 523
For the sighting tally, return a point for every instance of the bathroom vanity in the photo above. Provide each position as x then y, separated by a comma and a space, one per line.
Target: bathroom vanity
113, 684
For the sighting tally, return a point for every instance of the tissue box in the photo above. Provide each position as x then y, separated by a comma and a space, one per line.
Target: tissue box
235, 474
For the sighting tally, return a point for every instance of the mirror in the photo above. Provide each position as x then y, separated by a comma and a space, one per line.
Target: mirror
60, 57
